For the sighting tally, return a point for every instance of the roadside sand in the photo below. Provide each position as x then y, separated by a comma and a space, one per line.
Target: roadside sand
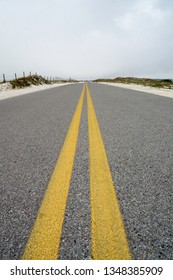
8, 93
157, 91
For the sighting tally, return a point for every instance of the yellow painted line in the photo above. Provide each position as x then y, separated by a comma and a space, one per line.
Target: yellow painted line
44, 240
108, 235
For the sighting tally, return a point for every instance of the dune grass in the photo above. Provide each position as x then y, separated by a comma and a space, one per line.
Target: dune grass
165, 83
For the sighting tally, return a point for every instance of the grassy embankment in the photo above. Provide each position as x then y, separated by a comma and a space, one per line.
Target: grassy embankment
34, 80
165, 83
28, 81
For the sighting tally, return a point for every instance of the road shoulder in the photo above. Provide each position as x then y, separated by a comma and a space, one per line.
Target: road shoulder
157, 91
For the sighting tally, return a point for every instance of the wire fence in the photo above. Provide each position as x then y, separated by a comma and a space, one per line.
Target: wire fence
6, 78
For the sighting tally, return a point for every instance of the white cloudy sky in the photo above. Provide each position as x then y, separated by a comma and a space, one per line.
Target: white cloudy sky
87, 38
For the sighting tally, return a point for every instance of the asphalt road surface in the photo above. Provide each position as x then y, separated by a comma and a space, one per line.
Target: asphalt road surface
136, 131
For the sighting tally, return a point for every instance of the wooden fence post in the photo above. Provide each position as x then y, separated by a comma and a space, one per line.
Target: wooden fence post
4, 80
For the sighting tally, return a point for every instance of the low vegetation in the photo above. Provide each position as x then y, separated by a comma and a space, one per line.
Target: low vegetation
165, 83
31, 80
28, 81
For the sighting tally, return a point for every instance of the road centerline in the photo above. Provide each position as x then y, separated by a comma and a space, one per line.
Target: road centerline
108, 233
44, 240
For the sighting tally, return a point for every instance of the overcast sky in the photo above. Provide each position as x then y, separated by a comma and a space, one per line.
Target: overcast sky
86, 39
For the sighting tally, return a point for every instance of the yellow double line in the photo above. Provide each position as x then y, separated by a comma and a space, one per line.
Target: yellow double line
108, 234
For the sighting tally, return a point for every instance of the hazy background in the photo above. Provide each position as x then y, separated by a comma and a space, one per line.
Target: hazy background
87, 39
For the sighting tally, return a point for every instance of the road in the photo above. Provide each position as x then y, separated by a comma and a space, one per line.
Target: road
110, 152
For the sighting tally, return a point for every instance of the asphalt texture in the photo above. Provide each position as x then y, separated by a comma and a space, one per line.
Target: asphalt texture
137, 130
32, 128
